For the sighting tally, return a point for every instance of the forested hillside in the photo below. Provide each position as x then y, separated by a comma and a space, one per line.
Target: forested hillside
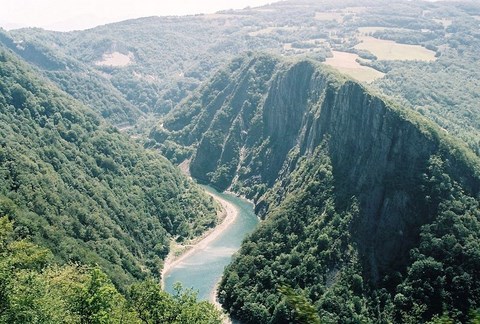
83, 83
421, 52
356, 133
79, 187
35, 289
372, 212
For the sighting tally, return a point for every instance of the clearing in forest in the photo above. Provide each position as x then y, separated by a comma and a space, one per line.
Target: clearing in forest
347, 63
116, 59
390, 50
329, 16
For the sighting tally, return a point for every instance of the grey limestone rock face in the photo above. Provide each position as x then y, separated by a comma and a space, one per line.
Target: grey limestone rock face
264, 115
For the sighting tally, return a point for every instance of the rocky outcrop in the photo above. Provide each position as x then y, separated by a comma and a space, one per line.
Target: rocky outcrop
272, 113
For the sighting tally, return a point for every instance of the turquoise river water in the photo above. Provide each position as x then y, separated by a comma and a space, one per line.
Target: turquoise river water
202, 269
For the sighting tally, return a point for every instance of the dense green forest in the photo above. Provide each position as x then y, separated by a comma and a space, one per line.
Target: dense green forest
80, 81
36, 289
370, 193
371, 211
308, 243
79, 187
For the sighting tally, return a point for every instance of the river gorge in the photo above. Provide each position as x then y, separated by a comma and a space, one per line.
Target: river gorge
201, 267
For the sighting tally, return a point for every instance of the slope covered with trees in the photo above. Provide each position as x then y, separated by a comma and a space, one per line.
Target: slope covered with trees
82, 189
80, 81
34, 289
372, 212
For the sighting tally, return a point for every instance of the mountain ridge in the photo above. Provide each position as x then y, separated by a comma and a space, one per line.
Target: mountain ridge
379, 155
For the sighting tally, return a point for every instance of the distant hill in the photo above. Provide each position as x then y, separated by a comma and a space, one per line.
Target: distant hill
82, 82
372, 212
434, 71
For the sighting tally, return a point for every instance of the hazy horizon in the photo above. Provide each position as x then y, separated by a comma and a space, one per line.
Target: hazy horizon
67, 15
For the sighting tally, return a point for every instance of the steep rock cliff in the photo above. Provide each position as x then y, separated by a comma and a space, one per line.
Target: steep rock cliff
255, 124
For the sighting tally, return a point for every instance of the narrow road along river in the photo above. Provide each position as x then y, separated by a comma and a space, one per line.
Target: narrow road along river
202, 267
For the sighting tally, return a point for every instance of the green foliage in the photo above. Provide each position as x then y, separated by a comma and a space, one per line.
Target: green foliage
345, 183
35, 290
449, 101
174, 152
308, 244
339, 222
156, 306
75, 78
92, 89
304, 311
304, 243
444, 270
171, 56
83, 189
314, 237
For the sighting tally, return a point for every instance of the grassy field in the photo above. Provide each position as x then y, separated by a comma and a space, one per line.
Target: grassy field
116, 59
329, 16
444, 22
339, 16
346, 63
355, 10
390, 50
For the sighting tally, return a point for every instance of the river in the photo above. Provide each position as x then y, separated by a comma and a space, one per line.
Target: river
203, 268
